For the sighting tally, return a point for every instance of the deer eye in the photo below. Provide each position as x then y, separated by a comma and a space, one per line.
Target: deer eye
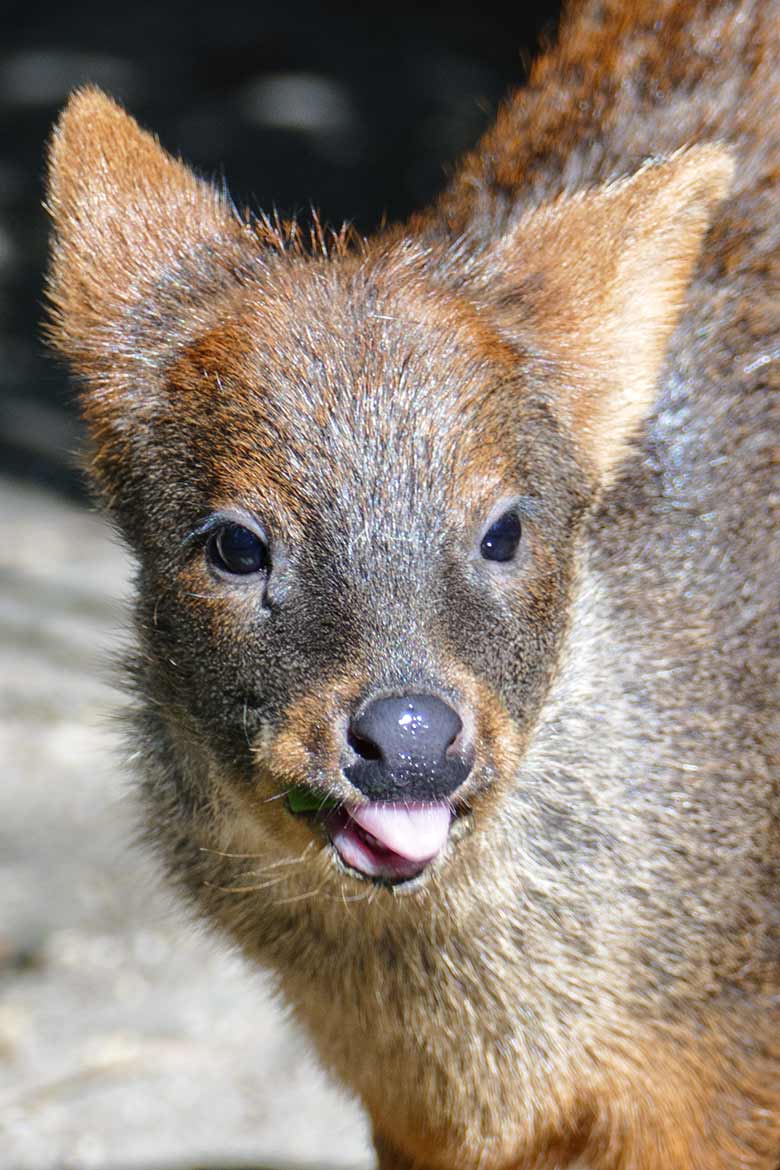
239, 551
502, 538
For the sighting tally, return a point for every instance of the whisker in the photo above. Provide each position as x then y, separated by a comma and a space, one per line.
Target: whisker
345, 898
246, 730
285, 861
281, 861
277, 795
238, 856
298, 897
245, 889
157, 601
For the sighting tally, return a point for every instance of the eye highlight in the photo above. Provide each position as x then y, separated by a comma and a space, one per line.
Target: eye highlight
502, 538
237, 550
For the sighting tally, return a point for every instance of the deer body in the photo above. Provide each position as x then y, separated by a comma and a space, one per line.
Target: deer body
516, 463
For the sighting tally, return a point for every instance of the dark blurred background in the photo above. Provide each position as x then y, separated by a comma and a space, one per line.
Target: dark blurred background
359, 110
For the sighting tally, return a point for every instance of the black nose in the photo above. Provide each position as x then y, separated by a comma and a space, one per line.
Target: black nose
406, 749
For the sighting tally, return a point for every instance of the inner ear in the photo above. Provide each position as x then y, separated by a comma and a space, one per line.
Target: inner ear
599, 278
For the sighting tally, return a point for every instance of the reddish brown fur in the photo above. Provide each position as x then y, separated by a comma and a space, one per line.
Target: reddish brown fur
591, 969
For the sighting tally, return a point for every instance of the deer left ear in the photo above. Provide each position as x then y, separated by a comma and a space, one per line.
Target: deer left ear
599, 280
128, 220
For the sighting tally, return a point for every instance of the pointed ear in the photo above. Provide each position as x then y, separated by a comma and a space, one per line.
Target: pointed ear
598, 279
129, 221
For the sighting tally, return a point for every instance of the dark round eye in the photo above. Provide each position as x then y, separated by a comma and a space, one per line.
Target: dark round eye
236, 549
502, 538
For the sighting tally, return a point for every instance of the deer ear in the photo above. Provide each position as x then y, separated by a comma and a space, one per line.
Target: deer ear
129, 221
599, 280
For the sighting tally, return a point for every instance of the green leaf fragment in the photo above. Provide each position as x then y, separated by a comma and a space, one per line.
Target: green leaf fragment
302, 800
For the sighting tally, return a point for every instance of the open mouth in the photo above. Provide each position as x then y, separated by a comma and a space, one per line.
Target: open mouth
394, 842
389, 842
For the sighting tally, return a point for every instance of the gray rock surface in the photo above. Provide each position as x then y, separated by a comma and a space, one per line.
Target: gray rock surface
128, 1041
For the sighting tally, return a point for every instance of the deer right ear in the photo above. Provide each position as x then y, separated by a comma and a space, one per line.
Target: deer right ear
130, 222
599, 279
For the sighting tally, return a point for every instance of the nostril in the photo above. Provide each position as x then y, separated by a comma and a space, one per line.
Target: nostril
363, 747
455, 746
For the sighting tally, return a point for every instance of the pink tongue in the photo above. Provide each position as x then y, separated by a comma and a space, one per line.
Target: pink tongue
414, 831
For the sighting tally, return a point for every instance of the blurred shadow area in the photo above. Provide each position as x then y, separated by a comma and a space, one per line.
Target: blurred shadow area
41, 441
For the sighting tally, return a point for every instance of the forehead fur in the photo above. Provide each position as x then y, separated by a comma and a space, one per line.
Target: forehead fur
330, 372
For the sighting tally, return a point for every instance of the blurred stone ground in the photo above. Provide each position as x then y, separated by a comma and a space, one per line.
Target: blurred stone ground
127, 1042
